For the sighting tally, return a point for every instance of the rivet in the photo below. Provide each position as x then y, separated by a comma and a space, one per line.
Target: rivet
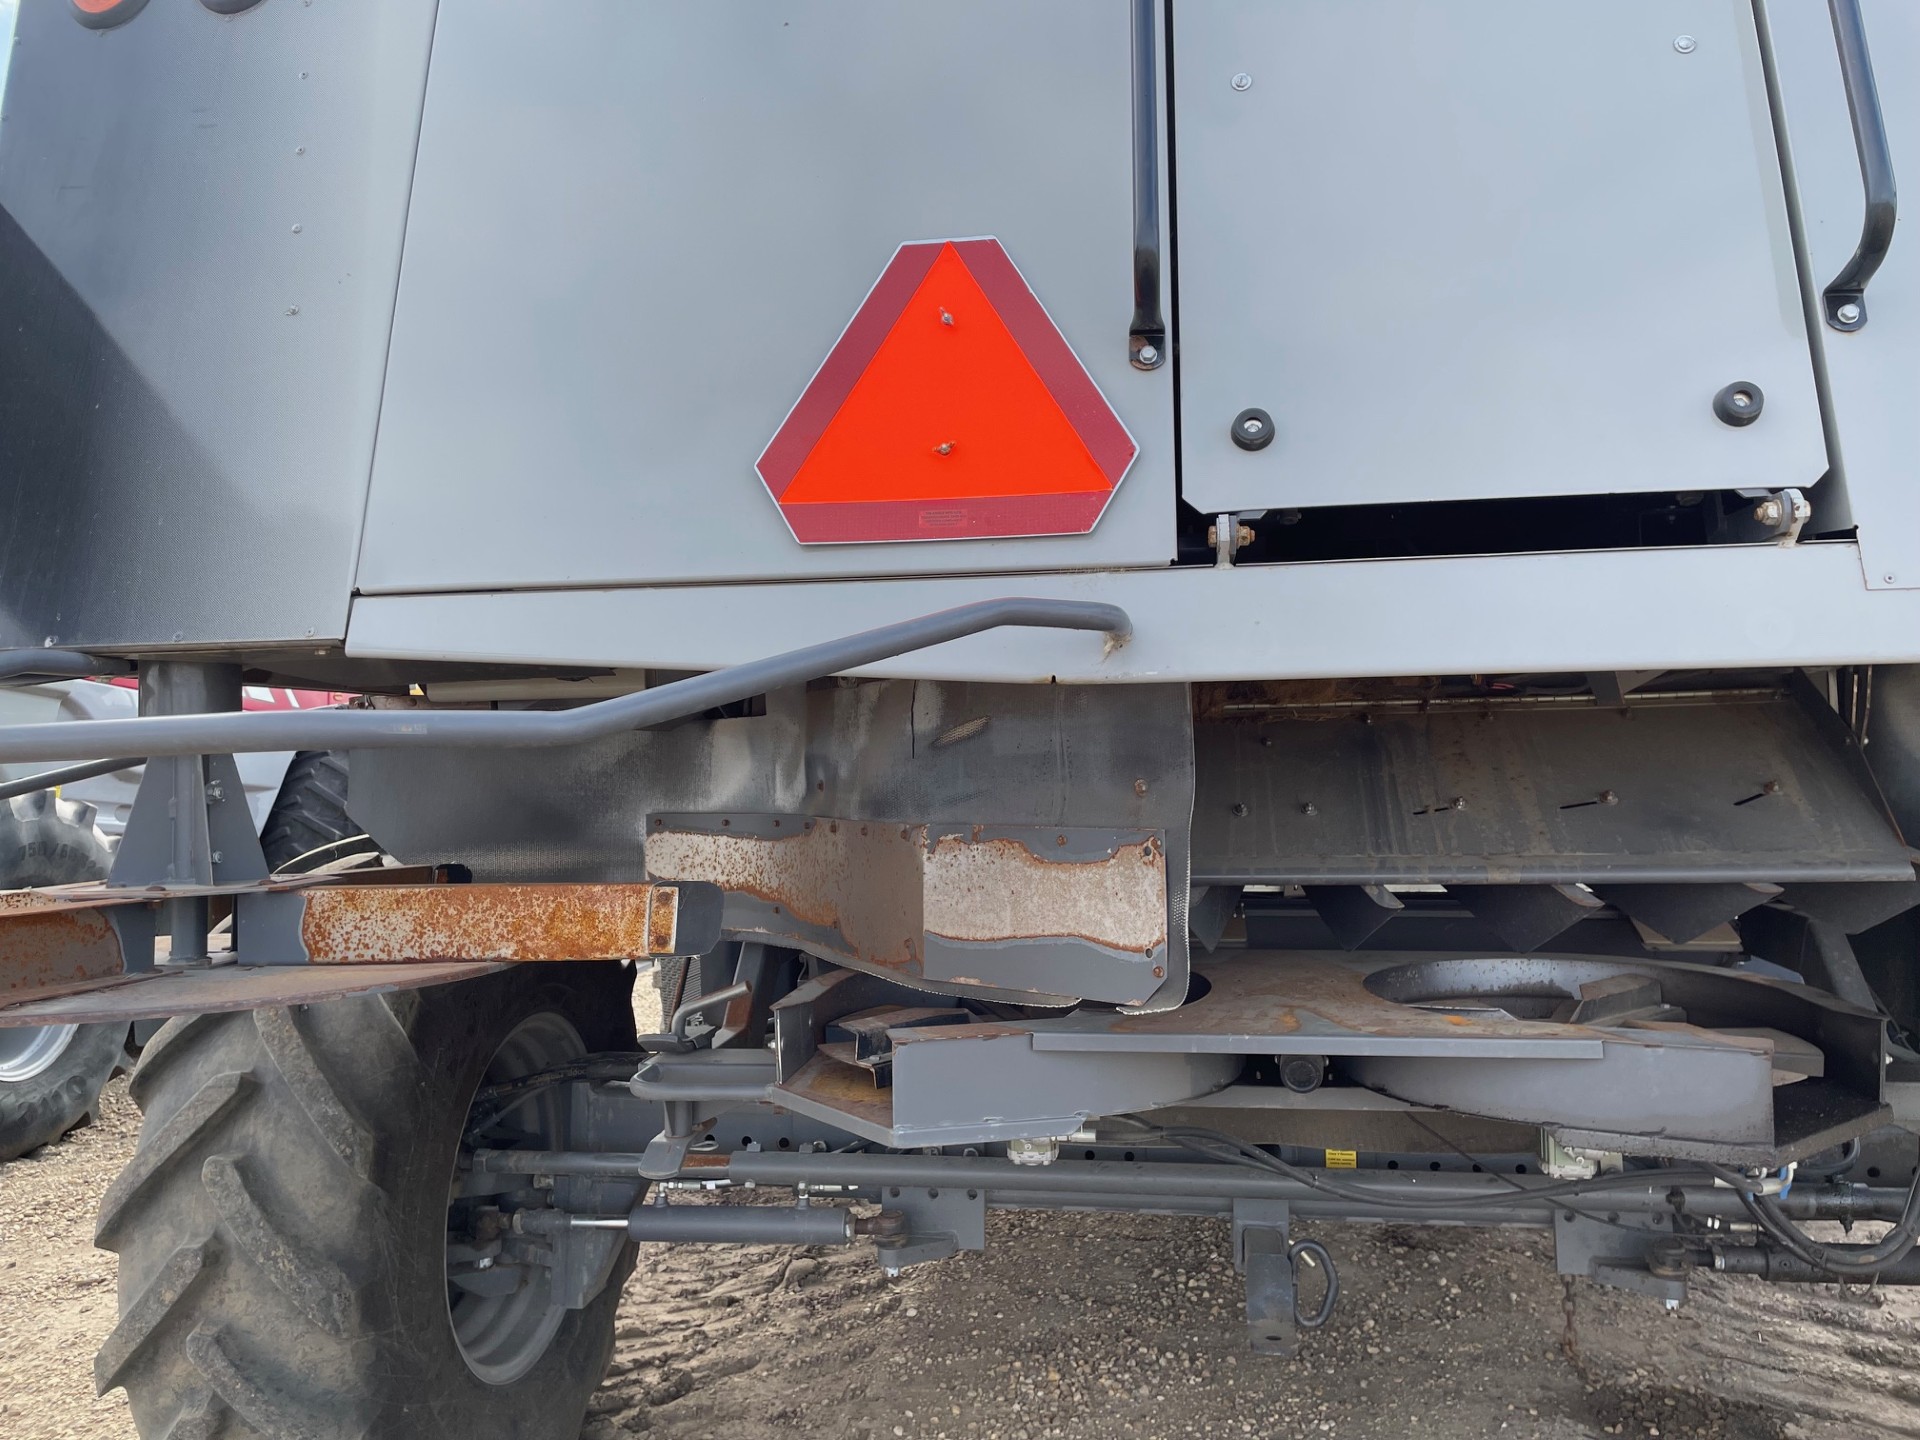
945, 447
293, 310
1772, 787
1888, 578
1607, 797
299, 149
945, 318
1685, 44
1139, 787
1239, 808
1059, 839
298, 228
1243, 81
1309, 808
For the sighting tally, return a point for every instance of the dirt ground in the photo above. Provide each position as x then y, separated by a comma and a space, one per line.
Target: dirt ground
1079, 1326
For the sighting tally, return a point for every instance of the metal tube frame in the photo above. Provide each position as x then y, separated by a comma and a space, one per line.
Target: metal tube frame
387, 729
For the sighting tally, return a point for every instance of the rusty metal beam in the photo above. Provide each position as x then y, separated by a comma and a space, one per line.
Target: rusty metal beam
84, 948
398, 924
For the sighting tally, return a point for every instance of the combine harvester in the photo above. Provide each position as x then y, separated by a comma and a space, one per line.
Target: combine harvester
1245, 608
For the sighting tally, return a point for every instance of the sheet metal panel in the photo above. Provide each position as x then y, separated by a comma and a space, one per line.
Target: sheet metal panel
1474, 251
1729, 606
626, 261
1873, 373
200, 227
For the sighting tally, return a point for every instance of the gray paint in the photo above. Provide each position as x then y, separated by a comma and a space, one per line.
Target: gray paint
1728, 606
1872, 374
623, 268
1474, 251
182, 459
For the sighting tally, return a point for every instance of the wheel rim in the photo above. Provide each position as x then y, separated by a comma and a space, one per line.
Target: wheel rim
27, 1052
502, 1337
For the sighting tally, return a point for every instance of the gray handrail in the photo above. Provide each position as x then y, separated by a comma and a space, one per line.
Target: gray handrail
66, 775
272, 730
1845, 298
45, 665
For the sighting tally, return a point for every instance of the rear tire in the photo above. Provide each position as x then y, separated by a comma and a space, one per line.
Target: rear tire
51, 1077
282, 1228
310, 812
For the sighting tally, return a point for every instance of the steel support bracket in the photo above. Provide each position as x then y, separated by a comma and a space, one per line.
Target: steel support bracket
1261, 1252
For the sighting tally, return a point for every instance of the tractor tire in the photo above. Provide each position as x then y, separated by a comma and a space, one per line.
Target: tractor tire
310, 812
51, 1076
283, 1225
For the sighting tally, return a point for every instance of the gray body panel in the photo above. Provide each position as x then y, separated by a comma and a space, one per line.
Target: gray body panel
623, 269
1872, 374
1472, 251
183, 459
604, 316
1721, 607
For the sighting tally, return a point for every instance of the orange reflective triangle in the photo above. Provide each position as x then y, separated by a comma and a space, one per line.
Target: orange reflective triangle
948, 408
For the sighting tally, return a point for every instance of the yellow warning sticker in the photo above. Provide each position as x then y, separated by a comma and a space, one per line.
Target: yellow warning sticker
1343, 1160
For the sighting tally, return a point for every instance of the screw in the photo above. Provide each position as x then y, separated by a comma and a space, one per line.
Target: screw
1243, 81
1772, 787
1309, 809
945, 318
1741, 400
945, 448
1149, 354
1250, 427
217, 857
1607, 797
1139, 787
1239, 808
1459, 803
1685, 44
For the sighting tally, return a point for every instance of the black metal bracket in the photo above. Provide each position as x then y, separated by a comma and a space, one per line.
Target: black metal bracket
1265, 1252
1147, 336
1845, 298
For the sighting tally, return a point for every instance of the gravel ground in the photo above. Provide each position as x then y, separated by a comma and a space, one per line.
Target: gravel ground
1078, 1326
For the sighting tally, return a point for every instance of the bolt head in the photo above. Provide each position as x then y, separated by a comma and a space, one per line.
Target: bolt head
1149, 354
1243, 81
1768, 512
1685, 44
1848, 314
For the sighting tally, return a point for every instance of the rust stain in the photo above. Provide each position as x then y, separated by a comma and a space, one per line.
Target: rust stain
663, 919
882, 891
865, 887
995, 890
386, 925
42, 952
1251, 998
224, 988
842, 1087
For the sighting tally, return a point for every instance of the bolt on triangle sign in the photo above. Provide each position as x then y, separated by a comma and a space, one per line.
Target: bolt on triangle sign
950, 408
